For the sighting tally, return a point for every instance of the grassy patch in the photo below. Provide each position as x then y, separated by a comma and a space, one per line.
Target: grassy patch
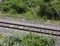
28, 40
1, 37
26, 16
32, 10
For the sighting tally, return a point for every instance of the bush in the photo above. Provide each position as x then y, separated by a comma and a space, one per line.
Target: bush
29, 40
24, 6
15, 5
18, 6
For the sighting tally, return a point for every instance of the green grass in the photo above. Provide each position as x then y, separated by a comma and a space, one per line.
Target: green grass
28, 40
1, 37
26, 16
32, 10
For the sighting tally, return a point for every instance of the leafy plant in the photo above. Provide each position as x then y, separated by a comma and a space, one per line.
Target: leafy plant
37, 8
28, 40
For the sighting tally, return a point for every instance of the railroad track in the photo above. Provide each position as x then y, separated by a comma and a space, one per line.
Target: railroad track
35, 29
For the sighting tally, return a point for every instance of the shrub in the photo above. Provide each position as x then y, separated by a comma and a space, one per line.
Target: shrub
18, 6
24, 6
29, 40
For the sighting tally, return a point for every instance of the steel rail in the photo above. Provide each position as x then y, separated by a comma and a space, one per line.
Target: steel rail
28, 29
30, 26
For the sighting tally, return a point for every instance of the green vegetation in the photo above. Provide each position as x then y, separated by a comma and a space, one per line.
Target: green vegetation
38, 10
1, 36
28, 40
